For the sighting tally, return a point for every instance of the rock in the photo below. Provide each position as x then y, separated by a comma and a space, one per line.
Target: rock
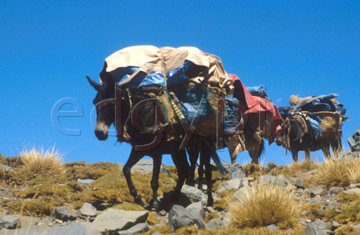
146, 166
10, 221
114, 220
273, 227
236, 171
334, 225
354, 186
88, 210
193, 193
180, 217
137, 229
239, 194
62, 213
226, 165
357, 228
335, 190
214, 224
354, 141
314, 191
299, 184
233, 184
156, 233
197, 209
6, 167
279, 180
84, 181
74, 228
316, 228
352, 190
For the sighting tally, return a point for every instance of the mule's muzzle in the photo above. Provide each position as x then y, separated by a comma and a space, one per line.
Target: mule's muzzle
278, 142
101, 131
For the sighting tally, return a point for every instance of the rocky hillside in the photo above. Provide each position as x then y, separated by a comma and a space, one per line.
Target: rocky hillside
43, 197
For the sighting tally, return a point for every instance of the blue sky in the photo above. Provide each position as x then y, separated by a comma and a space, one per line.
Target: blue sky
48, 47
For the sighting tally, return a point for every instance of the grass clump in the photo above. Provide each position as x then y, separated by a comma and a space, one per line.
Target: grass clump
338, 172
42, 162
346, 212
294, 168
265, 205
83, 170
313, 211
255, 170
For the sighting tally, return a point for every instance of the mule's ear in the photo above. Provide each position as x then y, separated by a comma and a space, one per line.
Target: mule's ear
93, 83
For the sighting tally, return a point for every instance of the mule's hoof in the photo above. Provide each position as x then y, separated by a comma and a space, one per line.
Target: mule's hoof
141, 201
155, 206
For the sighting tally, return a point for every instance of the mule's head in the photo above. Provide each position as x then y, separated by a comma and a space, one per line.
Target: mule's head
105, 110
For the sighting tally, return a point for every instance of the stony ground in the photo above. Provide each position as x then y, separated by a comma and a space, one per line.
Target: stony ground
324, 209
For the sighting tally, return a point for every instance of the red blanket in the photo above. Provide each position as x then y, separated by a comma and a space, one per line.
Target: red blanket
255, 104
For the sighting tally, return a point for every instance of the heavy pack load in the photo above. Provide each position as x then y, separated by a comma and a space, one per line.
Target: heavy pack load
261, 118
321, 116
189, 83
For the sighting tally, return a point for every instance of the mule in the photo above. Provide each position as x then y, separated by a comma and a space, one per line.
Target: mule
105, 103
295, 138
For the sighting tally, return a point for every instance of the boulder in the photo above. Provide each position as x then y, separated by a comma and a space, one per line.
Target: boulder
214, 224
88, 210
352, 190
233, 184
114, 220
354, 141
314, 191
136, 229
84, 181
193, 193
236, 171
335, 190
180, 217
146, 166
10, 221
316, 228
240, 194
197, 209
73, 228
279, 180
62, 213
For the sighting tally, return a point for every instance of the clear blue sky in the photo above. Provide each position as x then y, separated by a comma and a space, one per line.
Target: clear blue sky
48, 47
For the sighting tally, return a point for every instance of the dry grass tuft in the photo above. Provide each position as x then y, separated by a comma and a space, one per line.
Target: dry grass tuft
42, 162
265, 205
337, 172
255, 170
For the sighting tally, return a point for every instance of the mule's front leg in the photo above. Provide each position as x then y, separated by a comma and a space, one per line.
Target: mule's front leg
205, 156
155, 179
182, 167
133, 159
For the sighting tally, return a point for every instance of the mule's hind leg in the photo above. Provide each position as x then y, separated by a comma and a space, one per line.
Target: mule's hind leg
133, 159
294, 154
336, 147
155, 179
182, 166
326, 150
193, 152
205, 156
256, 152
307, 154
201, 172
